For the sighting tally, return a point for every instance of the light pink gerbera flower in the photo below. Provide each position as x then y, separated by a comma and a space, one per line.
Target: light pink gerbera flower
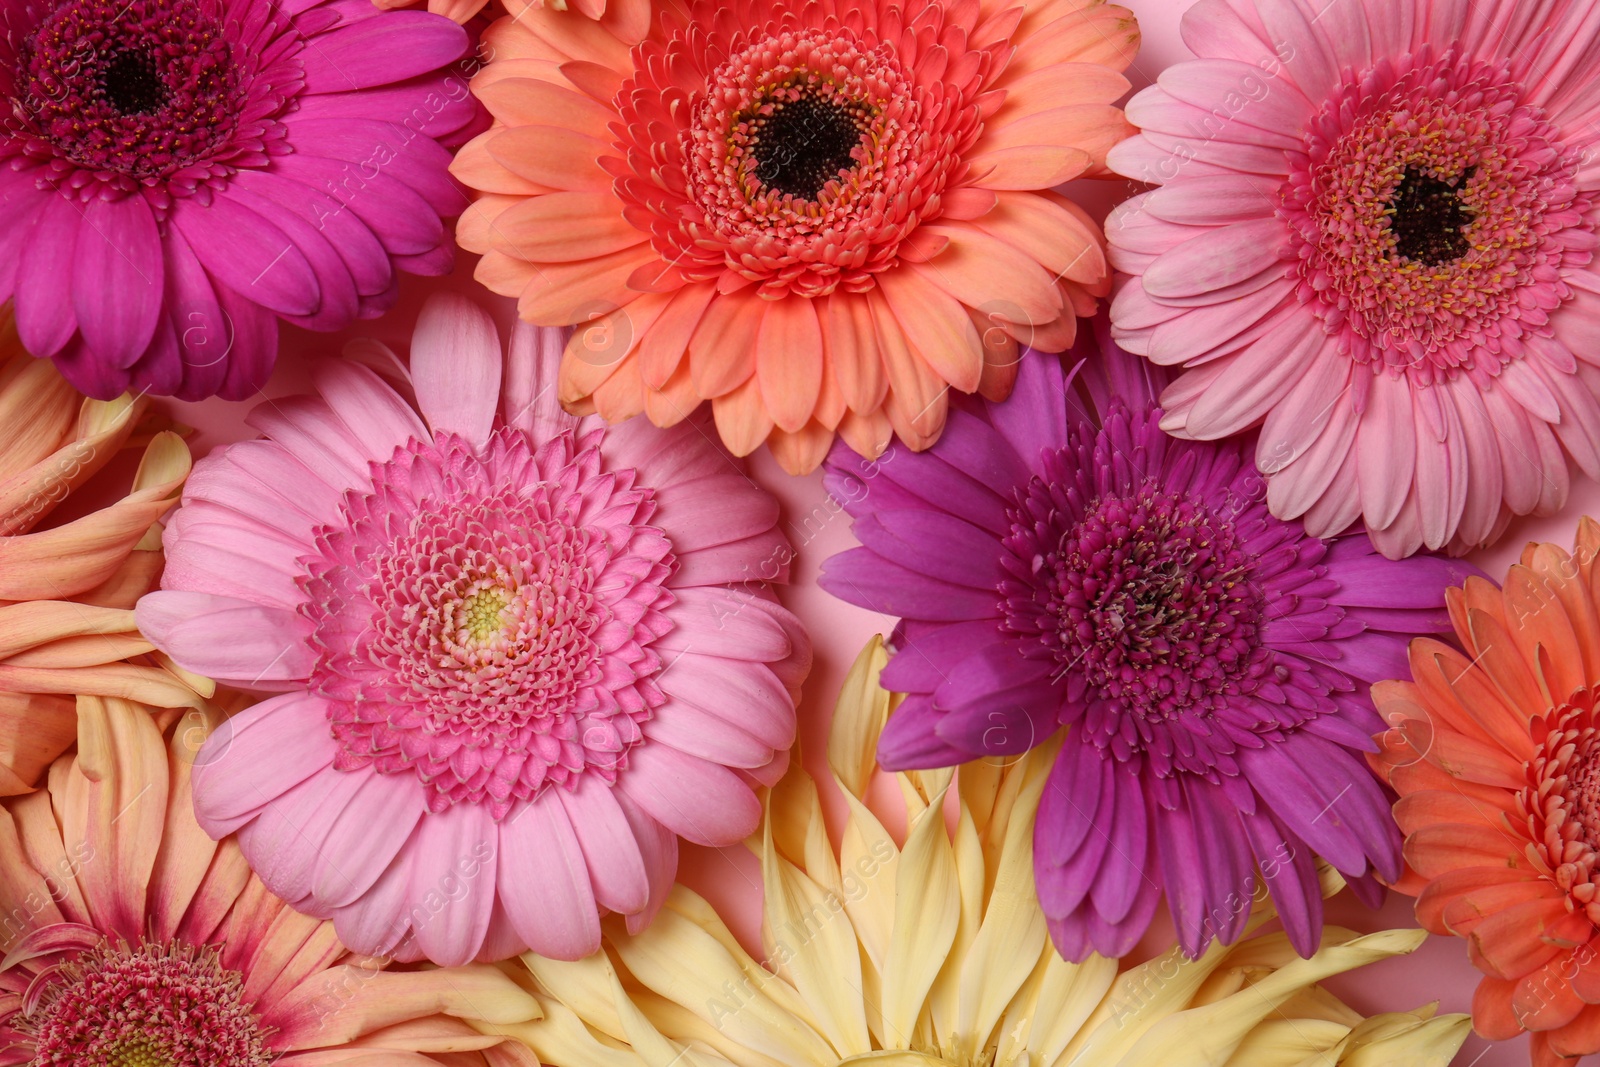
1374, 240
511, 641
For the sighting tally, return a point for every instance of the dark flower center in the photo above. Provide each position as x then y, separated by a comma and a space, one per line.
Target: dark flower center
131, 84
138, 88
804, 143
1429, 220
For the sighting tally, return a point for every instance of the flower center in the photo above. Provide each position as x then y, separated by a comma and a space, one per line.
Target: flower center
130, 82
483, 620
1434, 215
1429, 219
140, 91
150, 1005
802, 141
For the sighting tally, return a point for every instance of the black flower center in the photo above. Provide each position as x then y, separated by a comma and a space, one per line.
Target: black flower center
804, 144
1429, 218
132, 85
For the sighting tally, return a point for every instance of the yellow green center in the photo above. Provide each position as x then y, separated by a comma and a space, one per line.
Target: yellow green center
138, 1052
482, 613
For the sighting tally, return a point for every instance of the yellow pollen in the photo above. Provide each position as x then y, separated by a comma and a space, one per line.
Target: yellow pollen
483, 611
138, 1052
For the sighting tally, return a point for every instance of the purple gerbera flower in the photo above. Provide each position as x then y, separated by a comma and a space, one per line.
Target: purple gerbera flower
1058, 561
177, 175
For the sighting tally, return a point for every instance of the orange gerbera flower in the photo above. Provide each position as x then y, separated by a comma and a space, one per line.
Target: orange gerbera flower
1495, 753
821, 216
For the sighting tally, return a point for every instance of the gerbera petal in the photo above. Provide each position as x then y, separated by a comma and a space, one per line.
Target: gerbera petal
455, 363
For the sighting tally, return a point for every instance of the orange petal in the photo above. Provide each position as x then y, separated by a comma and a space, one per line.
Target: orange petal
672, 402
1093, 128
19, 880
500, 273
722, 352
1498, 657
848, 337
474, 228
1433, 850
1558, 572
552, 157
529, 102
1431, 806
1043, 89
621, 396
916, 399
1467, 912
1525, 936
830, 399
1492, 1016
1001, 356
1545, 999
789, 362
936, 325
742, 420
37, 410
565, 294
35, 728
984, 272
867, 434
662, 344
800, 453
1580, 1037
1451, 886
1539, 623
564, 228
1043, 228
477, 169
560, 36
1028, 168
1108, 36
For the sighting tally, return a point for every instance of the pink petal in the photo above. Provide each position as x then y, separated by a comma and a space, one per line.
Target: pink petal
368, 836
697, 800
378, 51
544, 883
449, 910
245, 644
1386, 447
45, 318
257, 756
1257, 378
455, 365
372, 412
1222, 257
533, 360
248, 254
610, 850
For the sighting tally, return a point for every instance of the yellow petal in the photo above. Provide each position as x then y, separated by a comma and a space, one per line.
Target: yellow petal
927, 911
858, 719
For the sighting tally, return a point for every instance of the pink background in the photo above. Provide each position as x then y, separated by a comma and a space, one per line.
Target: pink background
1438, 971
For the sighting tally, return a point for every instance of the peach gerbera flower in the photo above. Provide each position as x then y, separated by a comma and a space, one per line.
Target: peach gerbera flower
820, 217
1495, 752
66, 591
132, 939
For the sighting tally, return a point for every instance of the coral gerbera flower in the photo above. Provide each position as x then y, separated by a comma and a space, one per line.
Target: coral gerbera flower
178, 175
1058, 561
512, 640
1495, 752
934, 952
67, 593
819, 218
133, 940
1374, 240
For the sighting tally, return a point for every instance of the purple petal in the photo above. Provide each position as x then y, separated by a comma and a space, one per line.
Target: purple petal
1035, 417
400, 219
1183, 871
45, 319
1290, 874
1127, 858
909, 743
363, 256
998, 703
117, 282
923, 660
248, 254
937, 544
395, 150
862, 577
377, 51
1080, 791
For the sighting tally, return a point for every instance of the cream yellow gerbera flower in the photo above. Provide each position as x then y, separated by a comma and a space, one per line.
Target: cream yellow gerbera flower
67, 590
934, 952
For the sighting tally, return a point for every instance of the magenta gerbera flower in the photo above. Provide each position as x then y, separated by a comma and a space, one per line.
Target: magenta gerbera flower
178, 175
1058, 561
1374, 240
519, 642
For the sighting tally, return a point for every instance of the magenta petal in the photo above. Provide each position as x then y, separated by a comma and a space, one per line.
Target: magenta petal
363, 256
395, 213
333, 281
117, 281
253, 346
391, 47
45, 318
204, 332
910, 740
389, 148
248, 254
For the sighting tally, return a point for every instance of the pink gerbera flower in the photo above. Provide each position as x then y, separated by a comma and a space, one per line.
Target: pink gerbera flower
1374, 239
178, 175
511, 639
